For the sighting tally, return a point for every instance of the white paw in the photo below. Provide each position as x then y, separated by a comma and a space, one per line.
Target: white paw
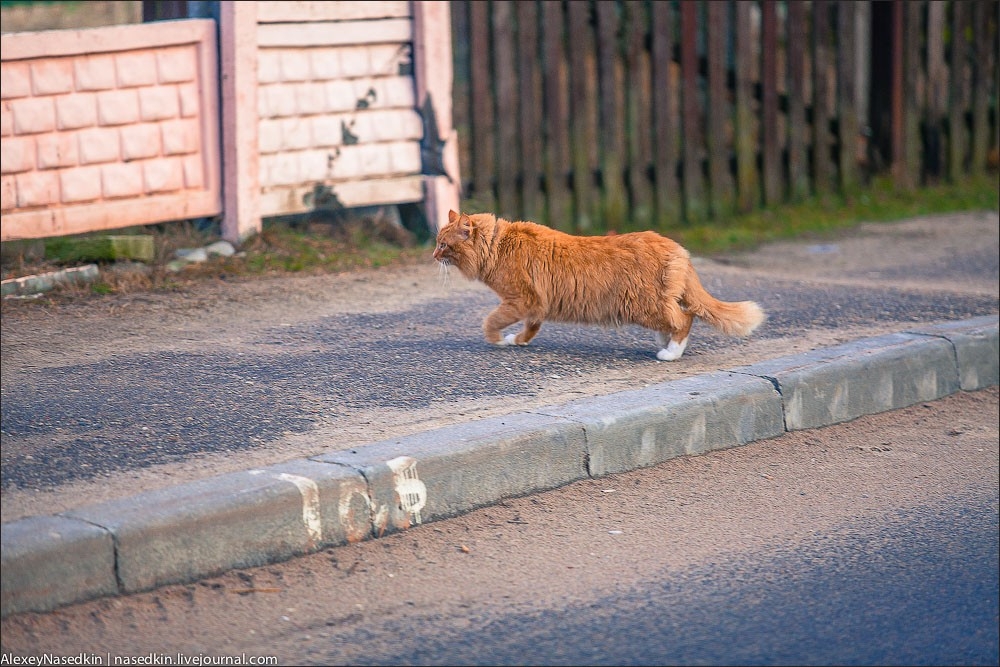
672, 351
507, 340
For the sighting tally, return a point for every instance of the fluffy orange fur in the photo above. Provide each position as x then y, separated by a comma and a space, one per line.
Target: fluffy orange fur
541, 274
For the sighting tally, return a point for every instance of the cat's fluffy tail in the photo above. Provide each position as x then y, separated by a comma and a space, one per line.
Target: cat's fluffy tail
734, 318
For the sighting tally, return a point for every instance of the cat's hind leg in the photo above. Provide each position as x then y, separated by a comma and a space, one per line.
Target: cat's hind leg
674, 342
531, 328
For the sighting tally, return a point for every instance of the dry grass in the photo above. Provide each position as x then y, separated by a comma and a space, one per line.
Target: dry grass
281, 248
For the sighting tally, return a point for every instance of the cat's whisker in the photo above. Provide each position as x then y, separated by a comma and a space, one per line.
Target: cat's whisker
444, 270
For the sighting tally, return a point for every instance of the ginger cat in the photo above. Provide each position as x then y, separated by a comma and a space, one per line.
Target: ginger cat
541, 274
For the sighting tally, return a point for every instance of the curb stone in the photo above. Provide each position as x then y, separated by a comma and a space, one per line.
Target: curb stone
203, 528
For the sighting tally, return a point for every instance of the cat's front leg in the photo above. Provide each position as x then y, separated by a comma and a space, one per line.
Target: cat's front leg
502, 317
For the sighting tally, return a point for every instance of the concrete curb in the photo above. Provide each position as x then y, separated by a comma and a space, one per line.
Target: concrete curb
254, 517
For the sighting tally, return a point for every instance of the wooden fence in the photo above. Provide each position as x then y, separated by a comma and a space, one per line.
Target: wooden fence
605, 115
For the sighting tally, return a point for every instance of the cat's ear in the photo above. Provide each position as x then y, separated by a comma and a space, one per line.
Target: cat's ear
464, 226
452, 217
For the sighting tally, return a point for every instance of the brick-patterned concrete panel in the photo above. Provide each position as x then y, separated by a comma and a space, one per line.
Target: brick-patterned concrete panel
95, 117
15, 80
56, 150
51, 77
33, 115
8, 192
95, 72
18, 155
80, 184
6, 121
176, 65
74, 112
38, 188
140, 141
99, 144
137, 68
163, 175
122, 180
180, 137
118, 107
158, 103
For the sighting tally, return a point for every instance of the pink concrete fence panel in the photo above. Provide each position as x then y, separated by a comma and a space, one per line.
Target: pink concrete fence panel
303, 105
339, 124
108, 127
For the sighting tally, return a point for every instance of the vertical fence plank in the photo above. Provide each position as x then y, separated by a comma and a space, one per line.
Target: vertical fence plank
665, 126
695, 209
747, 183
983, 64
530, 109
822, 169
912, 103
612, 116
936, 87
639, 105
583, 126
798, 168
847, 108
719, 116
556, 104
770, 149
958, 100
505, 67
481, 109
462, 93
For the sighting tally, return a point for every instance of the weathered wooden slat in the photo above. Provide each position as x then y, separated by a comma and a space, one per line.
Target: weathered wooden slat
583, 126
718, 109
556, 104
530, 110
847, 108
958, 101
505, 68
695, 206
983, 64
294, 11
912, 102
481, 109
665, 117
937, 88
798, 166
462, 92
770, 142
335, 33
612, 116
822, 168
747, 180
639, 108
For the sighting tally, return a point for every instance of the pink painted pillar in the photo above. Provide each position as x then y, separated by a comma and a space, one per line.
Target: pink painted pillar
240, 155
434, 76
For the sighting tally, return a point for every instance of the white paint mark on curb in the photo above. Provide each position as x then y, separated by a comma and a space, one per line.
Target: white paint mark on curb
310, 502
411, 491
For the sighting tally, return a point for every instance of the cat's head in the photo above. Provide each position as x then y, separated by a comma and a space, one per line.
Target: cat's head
456, 244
